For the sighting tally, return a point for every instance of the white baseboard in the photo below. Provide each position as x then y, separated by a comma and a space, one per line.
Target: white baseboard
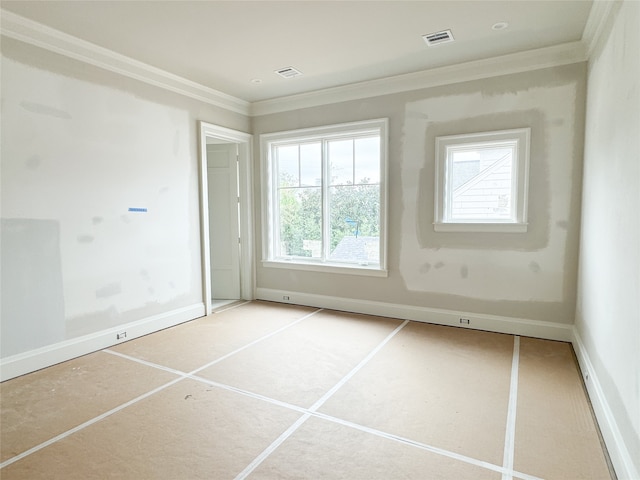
618, 452
491, 323
33, 360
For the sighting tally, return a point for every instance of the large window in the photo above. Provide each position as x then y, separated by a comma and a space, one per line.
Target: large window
481, 181
325, 197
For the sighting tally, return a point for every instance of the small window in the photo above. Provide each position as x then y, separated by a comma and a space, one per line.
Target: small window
481, 182
325, 198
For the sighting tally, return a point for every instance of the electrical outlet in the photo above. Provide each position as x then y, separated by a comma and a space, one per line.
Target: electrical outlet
465, 321
285, 297
120, 336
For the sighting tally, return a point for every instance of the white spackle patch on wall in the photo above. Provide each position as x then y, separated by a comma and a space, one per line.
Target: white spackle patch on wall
491, 274
76, 152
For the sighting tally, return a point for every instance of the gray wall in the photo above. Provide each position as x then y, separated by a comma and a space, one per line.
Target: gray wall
530, 275
80, 146
608, 311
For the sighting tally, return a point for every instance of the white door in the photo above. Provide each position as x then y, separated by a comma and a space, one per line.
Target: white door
224, 245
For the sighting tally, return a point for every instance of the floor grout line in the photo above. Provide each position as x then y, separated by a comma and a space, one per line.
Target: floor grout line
525, 476
413, 443
213, 383
250, 394
424, 446
284, 436
183, 375
88, 423
258, 340
506, 470
272, 447
308, 412
510, 433
357, 368
145, 362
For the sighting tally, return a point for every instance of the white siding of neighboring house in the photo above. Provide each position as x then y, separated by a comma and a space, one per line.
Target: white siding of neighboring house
488, 194
363, 249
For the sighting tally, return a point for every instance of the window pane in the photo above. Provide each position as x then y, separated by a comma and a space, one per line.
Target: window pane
287, 165
300, 222
341, 162
481, 182
367, 162
324, 191
311, 164
355, 223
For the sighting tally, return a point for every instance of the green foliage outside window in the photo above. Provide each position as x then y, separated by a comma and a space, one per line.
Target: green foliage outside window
353, 210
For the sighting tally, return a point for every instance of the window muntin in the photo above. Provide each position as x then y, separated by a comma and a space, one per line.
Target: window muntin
325, 196
481, 181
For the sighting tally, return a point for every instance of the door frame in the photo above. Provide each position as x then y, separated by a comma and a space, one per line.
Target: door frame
245, 227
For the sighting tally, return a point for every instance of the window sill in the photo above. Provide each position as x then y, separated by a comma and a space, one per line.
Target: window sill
481, 227
372, 271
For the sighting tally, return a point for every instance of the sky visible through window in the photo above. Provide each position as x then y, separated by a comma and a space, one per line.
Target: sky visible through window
351, 207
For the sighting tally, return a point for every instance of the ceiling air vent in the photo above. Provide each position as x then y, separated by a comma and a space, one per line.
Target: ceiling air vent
437, 38
288, 72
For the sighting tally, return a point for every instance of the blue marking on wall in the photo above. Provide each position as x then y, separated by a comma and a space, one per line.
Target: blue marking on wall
136, 209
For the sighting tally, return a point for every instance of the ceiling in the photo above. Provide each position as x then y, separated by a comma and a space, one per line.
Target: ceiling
235, 46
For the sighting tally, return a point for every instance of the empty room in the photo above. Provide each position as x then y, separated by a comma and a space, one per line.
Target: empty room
320, 239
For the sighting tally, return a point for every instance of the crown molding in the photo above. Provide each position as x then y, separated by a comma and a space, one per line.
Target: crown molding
34, 33
564, 54
598, 16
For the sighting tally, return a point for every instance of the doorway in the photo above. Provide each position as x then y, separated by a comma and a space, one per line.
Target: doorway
225, 197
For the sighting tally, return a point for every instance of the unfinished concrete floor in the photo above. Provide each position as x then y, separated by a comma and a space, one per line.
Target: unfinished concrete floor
271, 391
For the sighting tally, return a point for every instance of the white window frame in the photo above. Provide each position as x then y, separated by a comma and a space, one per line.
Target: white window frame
520, 182
267, 142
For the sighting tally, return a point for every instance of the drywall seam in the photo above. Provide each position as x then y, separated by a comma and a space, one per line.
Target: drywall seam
618, 452
34, 33
477, 321
33, 360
